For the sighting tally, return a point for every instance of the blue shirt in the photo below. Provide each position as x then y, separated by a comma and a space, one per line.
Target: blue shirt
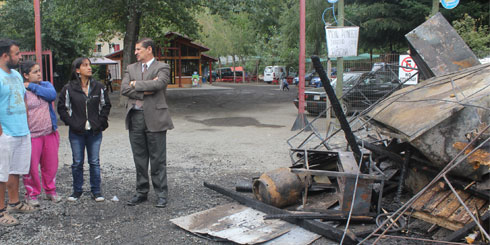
13, 116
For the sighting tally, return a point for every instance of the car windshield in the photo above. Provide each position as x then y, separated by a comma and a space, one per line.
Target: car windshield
268, 69
350, 79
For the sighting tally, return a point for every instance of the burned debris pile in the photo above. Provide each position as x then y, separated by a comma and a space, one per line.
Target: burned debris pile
419, 156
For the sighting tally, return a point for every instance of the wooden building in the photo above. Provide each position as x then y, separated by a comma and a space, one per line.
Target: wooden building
182, 54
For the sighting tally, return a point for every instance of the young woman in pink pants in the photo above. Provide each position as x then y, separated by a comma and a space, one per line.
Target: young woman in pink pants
44, 136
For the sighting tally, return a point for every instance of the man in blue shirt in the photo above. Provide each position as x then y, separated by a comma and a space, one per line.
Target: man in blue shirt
15, 142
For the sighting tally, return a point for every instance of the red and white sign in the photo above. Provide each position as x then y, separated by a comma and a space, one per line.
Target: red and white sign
407, 69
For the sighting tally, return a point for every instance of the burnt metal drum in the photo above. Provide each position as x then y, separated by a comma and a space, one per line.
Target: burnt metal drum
279, 188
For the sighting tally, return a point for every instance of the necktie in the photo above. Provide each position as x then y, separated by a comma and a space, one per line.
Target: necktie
145, 68
139, 103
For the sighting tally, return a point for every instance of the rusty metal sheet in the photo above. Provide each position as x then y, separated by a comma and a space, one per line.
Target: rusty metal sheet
437, 49
362, 203
240, 224
437, 113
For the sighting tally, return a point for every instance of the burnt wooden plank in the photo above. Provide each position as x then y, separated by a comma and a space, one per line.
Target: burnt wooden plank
424, 198
461, 233
450, 204
440, 221
473, 203
435, 201
320, 228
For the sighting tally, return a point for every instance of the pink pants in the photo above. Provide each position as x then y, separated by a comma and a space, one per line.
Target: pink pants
44, 153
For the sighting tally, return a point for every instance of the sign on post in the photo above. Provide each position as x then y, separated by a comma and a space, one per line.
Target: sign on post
449, 4
407, 69
342, 41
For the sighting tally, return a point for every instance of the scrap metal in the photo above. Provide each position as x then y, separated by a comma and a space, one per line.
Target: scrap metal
454, 105
323, 229
437, 49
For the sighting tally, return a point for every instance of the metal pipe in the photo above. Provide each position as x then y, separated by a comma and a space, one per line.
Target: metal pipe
37, 31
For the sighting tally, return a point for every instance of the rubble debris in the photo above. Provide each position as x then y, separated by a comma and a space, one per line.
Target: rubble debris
337, 108
321, 228
326, 216
460, 234
437, 49
447, 119
438, 205
362, 187
239, 224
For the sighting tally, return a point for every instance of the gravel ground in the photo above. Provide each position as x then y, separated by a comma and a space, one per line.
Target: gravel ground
223, 133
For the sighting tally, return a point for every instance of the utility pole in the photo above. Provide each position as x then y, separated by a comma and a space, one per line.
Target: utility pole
301, 121
435, 7
340, 60
37, 33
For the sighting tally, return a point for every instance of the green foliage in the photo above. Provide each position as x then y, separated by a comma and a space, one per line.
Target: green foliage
62, 32
477, 37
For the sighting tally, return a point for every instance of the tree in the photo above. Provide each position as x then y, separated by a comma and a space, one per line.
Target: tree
62, 32
477, 37
150, 18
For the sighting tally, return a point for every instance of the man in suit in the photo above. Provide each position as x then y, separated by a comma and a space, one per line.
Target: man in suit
147, 119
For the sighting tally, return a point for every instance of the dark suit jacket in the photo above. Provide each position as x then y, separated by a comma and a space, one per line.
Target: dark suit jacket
155, 106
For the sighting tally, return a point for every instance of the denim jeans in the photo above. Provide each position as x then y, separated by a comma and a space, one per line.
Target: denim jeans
78, 143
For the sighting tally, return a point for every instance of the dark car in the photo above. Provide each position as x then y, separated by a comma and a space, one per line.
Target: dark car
361, 90
308, 76
214, 75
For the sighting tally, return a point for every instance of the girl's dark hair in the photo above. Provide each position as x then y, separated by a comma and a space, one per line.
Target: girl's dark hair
76, 65
26, 67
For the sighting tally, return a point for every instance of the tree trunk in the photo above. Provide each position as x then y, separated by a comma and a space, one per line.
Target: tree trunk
219, 68
257, 70
130, 38
234, 72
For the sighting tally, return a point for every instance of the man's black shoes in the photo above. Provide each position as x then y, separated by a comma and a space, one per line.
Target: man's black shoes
161, 202
137, 199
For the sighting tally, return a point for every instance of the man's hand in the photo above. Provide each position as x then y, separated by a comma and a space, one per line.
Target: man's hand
156, 78
132, 84
1, 131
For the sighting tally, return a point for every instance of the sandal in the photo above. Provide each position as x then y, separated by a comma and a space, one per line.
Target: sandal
6, 219
20, 207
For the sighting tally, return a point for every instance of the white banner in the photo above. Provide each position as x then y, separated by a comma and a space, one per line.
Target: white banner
342, 41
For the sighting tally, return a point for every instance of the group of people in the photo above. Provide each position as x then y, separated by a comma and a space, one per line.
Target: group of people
29, 139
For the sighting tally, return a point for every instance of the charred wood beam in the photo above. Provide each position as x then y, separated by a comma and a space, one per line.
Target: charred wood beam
461, 233
344, 124
325, 216
320, 228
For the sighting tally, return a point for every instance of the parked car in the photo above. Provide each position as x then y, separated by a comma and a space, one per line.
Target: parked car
213, 77
308, 76
361, 90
